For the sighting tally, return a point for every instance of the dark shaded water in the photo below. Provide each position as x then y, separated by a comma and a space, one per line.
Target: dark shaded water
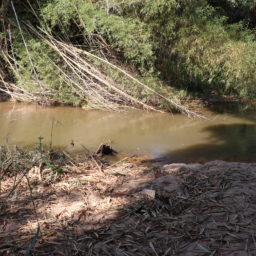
227, 134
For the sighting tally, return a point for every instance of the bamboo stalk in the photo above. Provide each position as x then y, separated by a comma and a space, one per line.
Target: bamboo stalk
71, 49
89, 79
25, 44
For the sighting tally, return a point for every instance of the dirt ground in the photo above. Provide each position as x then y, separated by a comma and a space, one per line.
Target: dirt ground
130, 208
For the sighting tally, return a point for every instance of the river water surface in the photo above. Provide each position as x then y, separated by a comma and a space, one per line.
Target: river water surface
229, 135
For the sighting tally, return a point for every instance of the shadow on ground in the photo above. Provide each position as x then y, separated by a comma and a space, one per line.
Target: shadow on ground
185, 210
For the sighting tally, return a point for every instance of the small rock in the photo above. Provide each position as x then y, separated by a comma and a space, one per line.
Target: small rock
149, 192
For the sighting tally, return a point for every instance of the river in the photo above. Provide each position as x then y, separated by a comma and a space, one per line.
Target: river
224, 135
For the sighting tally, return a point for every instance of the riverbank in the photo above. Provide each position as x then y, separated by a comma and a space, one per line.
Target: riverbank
54, 203
199, 104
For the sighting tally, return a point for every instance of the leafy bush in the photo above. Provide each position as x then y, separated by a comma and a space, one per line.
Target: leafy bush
37, 71
127, 36
196, 46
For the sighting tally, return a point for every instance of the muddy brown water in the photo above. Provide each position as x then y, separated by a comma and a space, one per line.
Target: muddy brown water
226, 134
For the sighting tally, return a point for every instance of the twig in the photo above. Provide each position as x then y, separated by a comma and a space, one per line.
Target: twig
92, 157
33, 242
118, 162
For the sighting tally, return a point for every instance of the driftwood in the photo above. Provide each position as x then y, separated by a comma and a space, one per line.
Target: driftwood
105, 149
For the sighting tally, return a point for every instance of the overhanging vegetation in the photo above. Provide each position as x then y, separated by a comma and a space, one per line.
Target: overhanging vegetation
142, 53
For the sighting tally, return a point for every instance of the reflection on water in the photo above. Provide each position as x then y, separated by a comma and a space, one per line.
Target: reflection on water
222, 136
232, 142
234, 108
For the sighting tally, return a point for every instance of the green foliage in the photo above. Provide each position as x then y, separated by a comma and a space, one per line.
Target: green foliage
40, 144
55, 169
213, 56
38, 71
202, 46
196, 49
127, 36
213, 60
237, 10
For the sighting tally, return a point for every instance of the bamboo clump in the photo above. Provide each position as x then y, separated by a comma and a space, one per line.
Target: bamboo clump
88, 75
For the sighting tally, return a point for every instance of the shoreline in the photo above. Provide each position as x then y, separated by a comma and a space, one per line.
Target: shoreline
192, 103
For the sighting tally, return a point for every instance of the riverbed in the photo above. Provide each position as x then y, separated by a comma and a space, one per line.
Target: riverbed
224, 135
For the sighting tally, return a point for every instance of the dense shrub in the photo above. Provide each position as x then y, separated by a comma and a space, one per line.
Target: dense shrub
203, 46
127, 36
197, 48
36, 71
